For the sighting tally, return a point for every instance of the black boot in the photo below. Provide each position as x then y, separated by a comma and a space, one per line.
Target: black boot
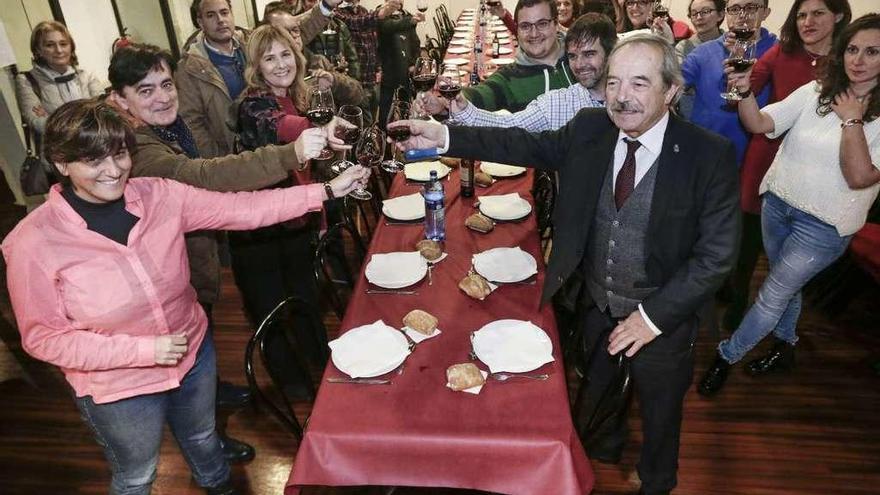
224, 489
236, 451
715, 377
780, 358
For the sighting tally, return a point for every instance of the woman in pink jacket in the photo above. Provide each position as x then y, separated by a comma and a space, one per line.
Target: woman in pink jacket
99, 282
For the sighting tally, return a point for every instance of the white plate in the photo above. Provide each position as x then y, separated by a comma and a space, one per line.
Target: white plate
503, 50
464, 29
369, 350
514, 346
501, 170
456, 61
505, 265
396, 270
460, 35
503, 61
421, 171
505, 207
498, 28
461, 41
458, 50
405, 208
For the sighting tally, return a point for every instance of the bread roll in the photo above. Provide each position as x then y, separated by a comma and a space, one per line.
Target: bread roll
421, 321
480, 223
450, 162
475, 286
483, 179
430, 250
463, 376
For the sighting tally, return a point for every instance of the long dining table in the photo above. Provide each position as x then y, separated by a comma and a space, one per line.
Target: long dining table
514, 437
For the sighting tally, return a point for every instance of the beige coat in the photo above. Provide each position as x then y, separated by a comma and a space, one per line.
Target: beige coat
247, 171
204, 98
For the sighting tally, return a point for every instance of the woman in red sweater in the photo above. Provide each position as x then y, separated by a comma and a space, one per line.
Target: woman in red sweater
806, 37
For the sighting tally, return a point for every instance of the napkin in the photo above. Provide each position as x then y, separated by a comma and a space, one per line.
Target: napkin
390, 269
418, 337
369, 350
512, 345
505, 265
409, 207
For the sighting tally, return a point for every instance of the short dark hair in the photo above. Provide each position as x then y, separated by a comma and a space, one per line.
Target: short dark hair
720, 5
600, 7
194, 12
273, 7
83, 130
521, 4
789, 38
590, 27
131, 64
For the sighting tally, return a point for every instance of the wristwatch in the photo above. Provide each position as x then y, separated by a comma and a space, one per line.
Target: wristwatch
745, 94
329, 191
851, 122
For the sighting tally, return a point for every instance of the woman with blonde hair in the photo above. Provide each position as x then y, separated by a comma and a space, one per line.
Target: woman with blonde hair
55, 78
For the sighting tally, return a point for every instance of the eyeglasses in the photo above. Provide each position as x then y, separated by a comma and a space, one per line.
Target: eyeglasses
701, 13
640, 3
542, 25
748, 9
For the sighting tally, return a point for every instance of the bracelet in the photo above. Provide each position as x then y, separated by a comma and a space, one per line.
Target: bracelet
851, 122
745, 94
329, 191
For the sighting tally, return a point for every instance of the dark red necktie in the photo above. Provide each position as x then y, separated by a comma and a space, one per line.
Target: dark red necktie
626, 178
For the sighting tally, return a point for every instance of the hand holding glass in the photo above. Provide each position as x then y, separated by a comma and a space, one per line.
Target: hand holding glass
320, 113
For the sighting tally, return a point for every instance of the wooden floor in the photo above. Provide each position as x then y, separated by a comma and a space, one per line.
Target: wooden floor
813, 431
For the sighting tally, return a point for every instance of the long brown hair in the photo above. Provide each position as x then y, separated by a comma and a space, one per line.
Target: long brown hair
44, 28
258, 44
834, 79
789, 38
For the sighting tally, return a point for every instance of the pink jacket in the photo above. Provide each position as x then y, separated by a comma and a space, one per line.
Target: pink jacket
94, 307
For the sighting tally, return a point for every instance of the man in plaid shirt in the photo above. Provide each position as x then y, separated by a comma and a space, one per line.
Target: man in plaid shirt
587, 43
364, 25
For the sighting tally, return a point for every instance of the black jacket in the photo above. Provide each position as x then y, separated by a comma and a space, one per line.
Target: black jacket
693, 231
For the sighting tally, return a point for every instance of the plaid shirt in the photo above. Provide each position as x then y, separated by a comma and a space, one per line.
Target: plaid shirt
549, 111
363, 25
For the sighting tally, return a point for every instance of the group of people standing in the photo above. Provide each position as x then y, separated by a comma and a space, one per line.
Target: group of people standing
666, 193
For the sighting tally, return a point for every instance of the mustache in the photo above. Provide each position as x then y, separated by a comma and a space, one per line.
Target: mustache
624, 106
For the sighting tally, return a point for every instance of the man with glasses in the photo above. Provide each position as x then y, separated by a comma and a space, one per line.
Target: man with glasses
703, 71
540, 64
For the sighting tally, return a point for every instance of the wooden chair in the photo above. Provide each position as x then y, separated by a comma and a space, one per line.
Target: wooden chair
279, 320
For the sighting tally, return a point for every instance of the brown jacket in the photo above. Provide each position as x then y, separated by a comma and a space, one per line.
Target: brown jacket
247, 171
204, 98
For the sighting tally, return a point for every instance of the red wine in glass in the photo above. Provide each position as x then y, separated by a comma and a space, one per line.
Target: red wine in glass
424, 82
400, 133
423, 9
660, 10
320, 117
743, 33
493, 3
449, 90
368, 159
741, 64
348, 135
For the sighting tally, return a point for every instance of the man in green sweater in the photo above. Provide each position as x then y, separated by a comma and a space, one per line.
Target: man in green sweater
540, 64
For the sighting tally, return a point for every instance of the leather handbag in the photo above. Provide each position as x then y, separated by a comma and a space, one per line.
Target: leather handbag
34, 176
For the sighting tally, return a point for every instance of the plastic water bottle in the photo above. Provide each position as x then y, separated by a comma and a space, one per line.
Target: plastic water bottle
435, 211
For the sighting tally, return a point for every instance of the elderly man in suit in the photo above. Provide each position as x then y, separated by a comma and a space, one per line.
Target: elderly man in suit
647, 219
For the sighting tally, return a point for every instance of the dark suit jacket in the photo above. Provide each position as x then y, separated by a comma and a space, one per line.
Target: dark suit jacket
693, 231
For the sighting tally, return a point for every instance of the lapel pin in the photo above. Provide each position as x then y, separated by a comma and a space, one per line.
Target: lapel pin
675, 148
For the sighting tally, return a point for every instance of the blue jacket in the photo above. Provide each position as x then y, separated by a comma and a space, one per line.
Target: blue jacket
703, 69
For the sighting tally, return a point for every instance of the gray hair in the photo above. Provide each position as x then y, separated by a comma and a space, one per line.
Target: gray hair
670, 69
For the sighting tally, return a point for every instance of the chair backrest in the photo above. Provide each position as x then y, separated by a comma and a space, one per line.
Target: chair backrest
277, 321
338, 259
544, 192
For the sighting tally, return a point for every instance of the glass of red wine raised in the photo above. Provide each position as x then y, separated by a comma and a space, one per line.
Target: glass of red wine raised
449, 83
422, 6
400, 110
742, 54
368, 151
320, 113
349, 134
423, 79
659, 9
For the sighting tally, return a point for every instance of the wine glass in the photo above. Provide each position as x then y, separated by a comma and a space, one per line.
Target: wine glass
742, 54
349, 135
320, 113
449, 84
400, 110
422, 6
369, 152
423, 79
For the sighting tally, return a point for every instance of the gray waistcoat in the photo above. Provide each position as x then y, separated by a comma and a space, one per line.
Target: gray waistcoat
615, 260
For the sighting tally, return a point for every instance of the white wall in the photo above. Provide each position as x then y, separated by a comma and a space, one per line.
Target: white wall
93, 26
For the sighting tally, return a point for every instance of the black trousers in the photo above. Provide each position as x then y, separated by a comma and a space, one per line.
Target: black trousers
268, 268
661, 373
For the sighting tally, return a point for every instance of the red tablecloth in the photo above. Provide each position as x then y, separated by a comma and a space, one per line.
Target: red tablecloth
515, 437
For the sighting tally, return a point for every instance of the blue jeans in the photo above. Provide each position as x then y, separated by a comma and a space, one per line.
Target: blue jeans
798, 246
130, 430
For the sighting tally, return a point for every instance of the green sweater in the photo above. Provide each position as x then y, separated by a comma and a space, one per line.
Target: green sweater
514, 86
